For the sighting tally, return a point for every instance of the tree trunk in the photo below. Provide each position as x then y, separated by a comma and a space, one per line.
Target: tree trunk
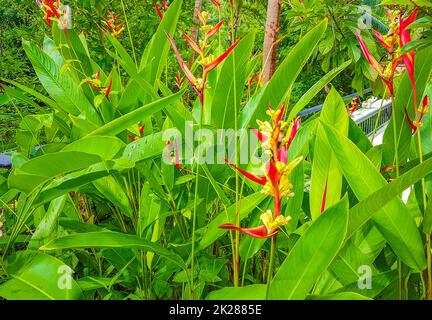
271, 35
195, 29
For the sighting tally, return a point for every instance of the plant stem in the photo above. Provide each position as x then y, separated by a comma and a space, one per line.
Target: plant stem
270, 268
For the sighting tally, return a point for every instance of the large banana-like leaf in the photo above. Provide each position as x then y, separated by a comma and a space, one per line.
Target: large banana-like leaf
393, 220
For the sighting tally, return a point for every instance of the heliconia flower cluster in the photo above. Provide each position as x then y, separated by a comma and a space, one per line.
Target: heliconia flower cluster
96, 83
276, 137
207, 61
114, 28
393, 42
51, 11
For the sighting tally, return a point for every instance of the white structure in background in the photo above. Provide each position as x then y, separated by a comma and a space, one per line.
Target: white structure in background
375, 113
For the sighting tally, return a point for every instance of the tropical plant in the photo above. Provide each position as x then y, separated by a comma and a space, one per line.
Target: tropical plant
108, 196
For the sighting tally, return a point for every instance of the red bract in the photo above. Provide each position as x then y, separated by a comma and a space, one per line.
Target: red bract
115, 29
323, 202
221, 58
191, 78
258, 179
214, 30
381, 39
192, 44
108, 90
176, 155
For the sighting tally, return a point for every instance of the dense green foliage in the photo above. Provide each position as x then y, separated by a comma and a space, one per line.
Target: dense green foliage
92, 209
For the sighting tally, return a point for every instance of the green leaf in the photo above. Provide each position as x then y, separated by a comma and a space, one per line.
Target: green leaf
326, 178
38, 276
251, 292
393, 220
311, 255
110, 240
116, 126
147, 147
48, 166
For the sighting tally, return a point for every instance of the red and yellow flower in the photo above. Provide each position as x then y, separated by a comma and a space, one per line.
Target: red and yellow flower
276, 136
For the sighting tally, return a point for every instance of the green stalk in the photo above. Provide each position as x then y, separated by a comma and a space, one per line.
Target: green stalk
270, 269
397, 175
428, 245
128, 29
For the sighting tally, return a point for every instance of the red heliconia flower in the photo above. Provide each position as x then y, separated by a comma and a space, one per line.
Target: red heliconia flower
381, 39
408, 58
216, 3
324, 199
376, 65
193, 81
111, 23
